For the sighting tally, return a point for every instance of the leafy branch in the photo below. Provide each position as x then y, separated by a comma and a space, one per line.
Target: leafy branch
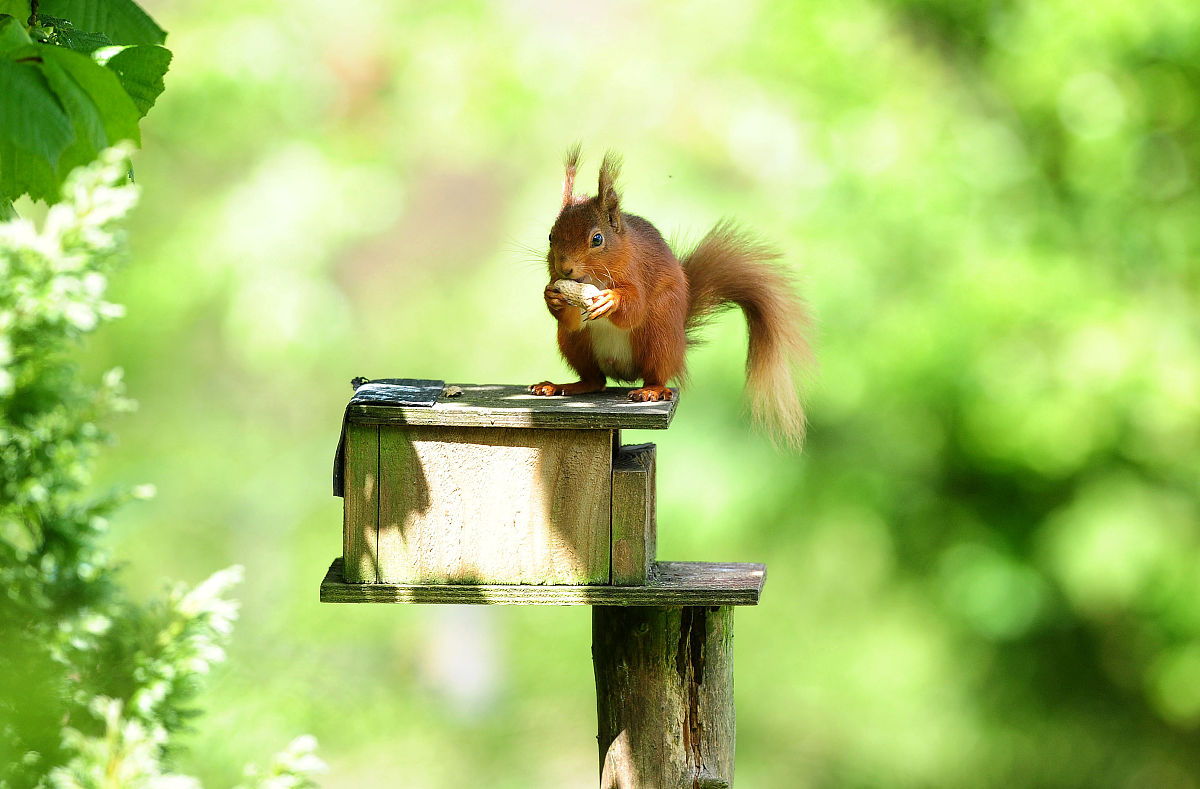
77, 77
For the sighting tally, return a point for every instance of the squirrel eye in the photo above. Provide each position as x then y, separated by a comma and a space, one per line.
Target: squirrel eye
597, 240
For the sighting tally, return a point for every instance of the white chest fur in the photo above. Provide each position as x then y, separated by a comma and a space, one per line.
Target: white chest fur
612, 350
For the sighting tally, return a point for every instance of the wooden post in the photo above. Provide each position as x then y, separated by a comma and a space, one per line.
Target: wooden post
664, 696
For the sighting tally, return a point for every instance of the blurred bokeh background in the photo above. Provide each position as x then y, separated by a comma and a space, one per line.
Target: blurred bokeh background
985, 566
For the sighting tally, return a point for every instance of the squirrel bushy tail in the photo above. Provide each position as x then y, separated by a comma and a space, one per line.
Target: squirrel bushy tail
729, 267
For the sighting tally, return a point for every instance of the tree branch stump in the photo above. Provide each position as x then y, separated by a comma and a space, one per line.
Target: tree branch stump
664, 696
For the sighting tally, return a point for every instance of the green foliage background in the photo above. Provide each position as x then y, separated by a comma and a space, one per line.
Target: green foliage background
984, 569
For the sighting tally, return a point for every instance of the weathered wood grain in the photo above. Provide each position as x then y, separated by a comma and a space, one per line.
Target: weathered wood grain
634, 527
361, 509
494, 505
671, 584
514, 406
664, 696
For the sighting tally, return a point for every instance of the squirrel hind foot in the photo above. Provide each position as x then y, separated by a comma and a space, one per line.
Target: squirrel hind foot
548, 389
648, 394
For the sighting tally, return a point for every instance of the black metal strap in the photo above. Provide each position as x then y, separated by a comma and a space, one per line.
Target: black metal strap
415, 392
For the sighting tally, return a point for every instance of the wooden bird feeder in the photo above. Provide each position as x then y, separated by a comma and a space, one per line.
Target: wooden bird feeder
489, 494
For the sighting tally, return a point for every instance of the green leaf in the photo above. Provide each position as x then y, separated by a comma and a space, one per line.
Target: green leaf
100, 111
140, 70
18, 8
30, 118
123, 21
114, 109
61, 32
12, 34
66, 92
64, 109
7, 212
25, 173
80, 107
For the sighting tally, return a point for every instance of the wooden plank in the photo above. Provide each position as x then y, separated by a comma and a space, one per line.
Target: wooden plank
494, 505
403, 506
360, 518
496, 405
671, 584
634, 527
664, 696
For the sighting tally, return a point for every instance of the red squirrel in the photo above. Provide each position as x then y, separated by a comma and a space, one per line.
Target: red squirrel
651, 304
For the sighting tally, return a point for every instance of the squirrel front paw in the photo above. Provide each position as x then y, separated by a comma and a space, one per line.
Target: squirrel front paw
605, 302
555, 300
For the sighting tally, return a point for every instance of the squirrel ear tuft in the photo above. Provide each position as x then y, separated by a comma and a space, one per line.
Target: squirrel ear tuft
610, 201
571, 163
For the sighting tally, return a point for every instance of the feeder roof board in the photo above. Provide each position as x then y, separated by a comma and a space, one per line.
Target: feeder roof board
497, 405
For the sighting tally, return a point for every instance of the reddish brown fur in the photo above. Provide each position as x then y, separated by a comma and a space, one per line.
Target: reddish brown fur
729, 267
662, 303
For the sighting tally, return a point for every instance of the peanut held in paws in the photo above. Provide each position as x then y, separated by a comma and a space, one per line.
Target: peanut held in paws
580, 294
